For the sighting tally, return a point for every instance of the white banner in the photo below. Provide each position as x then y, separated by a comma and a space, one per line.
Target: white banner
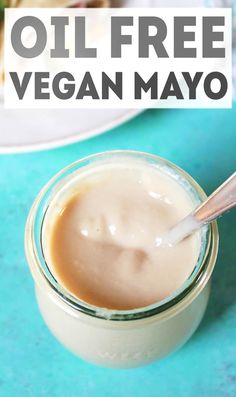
118, 58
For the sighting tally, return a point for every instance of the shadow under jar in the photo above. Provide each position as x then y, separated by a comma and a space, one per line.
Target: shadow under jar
118, 338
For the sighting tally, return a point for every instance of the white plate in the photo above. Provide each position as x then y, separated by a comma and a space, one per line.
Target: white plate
29, 130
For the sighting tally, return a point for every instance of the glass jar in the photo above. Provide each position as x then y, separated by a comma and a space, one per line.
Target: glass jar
128, 338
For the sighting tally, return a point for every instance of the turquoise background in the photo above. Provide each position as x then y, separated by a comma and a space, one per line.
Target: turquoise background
32, 362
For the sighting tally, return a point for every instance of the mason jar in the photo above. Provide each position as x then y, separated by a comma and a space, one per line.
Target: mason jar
118, 338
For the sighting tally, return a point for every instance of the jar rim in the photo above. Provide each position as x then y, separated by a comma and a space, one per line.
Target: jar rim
37, 261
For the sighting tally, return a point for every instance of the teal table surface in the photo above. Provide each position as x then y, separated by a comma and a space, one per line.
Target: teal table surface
32, 362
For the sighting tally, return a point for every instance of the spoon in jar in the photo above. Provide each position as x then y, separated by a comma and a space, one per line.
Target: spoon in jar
222, 200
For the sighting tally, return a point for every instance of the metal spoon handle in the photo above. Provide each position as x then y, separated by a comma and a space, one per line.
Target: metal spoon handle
216, 204
223, 199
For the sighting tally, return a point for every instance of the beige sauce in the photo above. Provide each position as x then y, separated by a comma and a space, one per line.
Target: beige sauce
101, 243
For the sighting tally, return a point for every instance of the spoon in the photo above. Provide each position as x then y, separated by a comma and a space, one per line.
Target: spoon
222, 200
